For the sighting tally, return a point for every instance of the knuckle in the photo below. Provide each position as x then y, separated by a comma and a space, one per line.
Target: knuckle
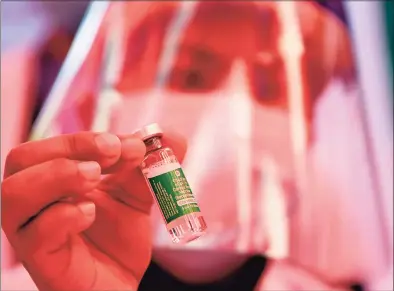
9, 200
70, 211
11, 156
77, 142
14, 160
62, 212
70, 143
63, 167
7, 191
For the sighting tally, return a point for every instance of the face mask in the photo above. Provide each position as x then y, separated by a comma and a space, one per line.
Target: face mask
228, 135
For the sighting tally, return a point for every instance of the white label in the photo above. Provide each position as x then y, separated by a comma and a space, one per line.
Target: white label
160, 169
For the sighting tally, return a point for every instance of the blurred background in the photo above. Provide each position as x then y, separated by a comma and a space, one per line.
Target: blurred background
287, 107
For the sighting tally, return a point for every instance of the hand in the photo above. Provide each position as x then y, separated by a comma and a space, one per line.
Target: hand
76, 209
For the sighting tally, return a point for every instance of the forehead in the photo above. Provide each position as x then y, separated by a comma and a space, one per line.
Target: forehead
233, 28
227, 28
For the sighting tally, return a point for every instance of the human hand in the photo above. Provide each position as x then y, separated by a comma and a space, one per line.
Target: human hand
76, 210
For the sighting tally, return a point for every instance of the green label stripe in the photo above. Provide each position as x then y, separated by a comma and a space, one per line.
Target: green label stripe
173, 194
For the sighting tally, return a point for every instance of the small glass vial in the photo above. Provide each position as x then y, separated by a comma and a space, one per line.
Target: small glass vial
169, 187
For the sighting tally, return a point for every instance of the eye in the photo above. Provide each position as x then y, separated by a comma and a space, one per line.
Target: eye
197, 71
188, 80
194, 80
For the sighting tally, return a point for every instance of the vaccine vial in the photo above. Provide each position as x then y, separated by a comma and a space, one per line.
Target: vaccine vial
170, 188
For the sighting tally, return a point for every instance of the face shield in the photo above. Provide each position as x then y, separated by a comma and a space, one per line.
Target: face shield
266, 95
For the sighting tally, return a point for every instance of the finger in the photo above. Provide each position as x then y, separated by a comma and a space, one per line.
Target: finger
133, 150
51, 230
129, 186
55, 256
132, 153
105, 148
26, 193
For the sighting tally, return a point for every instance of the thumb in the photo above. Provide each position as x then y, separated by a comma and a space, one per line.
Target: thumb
51, 248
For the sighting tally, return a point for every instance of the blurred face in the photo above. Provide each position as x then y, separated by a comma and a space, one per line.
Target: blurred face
226, 51
226, 84
227, 90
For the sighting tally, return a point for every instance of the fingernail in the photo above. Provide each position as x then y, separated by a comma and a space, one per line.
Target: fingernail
107, 143
132, 148
87, 208
90, 170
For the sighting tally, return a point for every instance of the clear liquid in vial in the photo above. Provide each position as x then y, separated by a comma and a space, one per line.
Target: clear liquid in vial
172, 193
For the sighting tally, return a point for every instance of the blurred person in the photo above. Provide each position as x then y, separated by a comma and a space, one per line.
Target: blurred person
107, 245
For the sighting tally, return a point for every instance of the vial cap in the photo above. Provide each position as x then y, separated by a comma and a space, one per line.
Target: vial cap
148, 131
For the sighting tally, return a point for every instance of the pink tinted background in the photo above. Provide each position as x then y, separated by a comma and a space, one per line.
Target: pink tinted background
358, 269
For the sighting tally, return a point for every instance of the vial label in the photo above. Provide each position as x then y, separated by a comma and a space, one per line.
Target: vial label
172, 191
